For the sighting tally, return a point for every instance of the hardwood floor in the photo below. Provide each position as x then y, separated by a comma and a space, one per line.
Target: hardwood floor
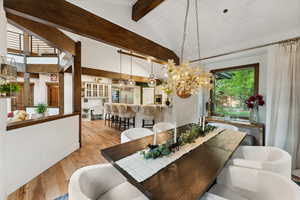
54, 182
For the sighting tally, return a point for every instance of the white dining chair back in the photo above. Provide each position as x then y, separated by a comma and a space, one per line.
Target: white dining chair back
225, 126
134, 133
264, 158
210, 196
101, 182
163, 126
251, 184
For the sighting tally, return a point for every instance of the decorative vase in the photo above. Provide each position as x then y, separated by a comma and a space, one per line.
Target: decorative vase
183, 94
168, 102
254, 116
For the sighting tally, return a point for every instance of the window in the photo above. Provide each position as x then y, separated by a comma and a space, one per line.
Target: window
232, 86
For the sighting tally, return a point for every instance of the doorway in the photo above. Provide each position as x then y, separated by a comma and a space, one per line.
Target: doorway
53, 94
17, 102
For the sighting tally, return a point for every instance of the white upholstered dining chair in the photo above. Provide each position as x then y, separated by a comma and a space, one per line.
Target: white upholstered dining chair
134, 133
238, 183
163, 126
102, 182
226, 126
263, 158
210, 196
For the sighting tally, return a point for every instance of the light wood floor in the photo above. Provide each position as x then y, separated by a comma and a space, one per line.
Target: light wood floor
54, 182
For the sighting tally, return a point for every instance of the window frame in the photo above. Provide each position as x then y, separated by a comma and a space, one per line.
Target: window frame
256, 83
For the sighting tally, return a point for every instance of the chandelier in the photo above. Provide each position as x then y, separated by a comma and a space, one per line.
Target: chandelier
185, 79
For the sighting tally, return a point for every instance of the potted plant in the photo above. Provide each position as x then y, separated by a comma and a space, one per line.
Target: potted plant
9, 89
41, 109
253, 103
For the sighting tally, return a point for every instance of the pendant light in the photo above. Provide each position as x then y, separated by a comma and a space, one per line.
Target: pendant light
121, 81
152, 80
131, 81
185, 79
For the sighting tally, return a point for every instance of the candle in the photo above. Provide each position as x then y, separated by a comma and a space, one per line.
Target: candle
154, 139
175, 133
203, 123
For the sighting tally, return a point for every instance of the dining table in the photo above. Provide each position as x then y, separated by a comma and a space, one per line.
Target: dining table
187, 178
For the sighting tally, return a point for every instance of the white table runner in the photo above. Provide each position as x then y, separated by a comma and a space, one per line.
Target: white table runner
141, 169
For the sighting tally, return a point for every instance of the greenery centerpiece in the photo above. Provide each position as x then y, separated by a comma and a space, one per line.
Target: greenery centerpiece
187, 136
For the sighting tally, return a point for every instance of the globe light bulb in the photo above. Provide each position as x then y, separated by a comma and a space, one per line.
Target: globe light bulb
121, 83
131, 82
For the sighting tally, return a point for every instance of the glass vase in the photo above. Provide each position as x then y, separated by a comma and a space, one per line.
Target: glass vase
254, 116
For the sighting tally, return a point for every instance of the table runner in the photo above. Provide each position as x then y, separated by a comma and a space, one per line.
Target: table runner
141, 169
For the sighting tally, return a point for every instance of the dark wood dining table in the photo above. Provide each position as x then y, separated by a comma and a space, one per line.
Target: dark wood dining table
187, 178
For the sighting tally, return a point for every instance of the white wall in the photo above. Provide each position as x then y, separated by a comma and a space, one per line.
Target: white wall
3, 108
68, 92
186, 109
98, 55
33, 149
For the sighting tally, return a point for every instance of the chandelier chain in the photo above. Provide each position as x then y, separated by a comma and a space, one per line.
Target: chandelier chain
120, 66
197, 25
131, 65
151, 67
185, 29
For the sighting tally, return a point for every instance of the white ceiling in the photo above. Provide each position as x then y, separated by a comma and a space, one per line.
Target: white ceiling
247, 23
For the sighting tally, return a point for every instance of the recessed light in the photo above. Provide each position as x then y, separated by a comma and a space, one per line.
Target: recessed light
225, 11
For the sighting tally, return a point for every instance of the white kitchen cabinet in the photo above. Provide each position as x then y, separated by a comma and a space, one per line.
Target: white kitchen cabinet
95, 90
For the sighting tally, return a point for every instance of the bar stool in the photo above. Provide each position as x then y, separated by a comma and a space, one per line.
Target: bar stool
107, 113
115, 114
148, 112
126, 114
131, 114
122, 116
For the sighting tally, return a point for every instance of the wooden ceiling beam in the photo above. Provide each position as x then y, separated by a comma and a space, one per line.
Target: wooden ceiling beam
50, 35
42, 68
143, 7
108, 74
67, 16
142, 57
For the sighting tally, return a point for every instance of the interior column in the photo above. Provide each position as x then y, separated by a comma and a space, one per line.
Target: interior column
26, 49
3, 108
77, 84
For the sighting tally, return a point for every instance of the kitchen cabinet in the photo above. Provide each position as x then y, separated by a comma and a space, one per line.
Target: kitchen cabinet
95, 90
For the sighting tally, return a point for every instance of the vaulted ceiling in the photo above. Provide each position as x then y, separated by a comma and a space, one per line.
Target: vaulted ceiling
247, 23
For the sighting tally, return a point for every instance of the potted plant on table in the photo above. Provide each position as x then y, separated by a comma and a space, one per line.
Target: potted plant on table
41, 110
253, 103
